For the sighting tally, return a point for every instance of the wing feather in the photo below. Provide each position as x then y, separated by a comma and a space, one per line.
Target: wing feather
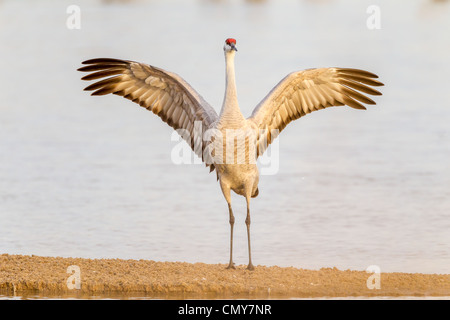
162, 92
303, 92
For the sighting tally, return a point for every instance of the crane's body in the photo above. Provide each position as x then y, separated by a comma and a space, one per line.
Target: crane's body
232, 143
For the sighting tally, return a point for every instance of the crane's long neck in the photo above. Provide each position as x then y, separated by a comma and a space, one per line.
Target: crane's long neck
230, 106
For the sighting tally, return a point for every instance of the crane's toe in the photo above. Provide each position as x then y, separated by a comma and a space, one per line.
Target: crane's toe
250, 267
231, 266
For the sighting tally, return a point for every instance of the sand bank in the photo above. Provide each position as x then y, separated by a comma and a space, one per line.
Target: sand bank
21, 275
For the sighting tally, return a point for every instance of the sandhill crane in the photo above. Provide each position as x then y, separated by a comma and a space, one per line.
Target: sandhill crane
181, 107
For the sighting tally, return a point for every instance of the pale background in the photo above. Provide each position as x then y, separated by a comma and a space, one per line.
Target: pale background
92, 177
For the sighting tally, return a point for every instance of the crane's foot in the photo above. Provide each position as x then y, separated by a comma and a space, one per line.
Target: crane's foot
231, 266
250, 267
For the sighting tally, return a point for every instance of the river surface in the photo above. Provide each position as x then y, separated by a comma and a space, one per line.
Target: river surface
93, 177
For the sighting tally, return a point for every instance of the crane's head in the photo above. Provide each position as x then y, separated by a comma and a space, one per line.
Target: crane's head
230, 45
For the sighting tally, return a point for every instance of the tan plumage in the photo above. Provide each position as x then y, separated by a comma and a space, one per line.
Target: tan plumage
162, 92
306, 91
179, 105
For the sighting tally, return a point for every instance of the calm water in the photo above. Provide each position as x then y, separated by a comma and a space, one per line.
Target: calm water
92, 177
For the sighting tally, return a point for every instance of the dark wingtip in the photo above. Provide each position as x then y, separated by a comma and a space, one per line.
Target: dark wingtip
358, 72
105, 60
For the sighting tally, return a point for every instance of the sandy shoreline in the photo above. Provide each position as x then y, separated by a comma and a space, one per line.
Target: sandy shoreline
21, 275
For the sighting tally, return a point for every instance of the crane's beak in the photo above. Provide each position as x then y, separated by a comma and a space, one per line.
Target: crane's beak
233, 47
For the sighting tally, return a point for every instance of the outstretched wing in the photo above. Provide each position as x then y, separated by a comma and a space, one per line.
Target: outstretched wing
302, 92
164, 93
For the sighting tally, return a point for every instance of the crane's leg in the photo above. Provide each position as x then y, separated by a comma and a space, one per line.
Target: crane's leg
226, 193
231, 264
247, 222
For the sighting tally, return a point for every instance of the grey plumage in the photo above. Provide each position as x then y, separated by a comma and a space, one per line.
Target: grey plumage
180, 106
